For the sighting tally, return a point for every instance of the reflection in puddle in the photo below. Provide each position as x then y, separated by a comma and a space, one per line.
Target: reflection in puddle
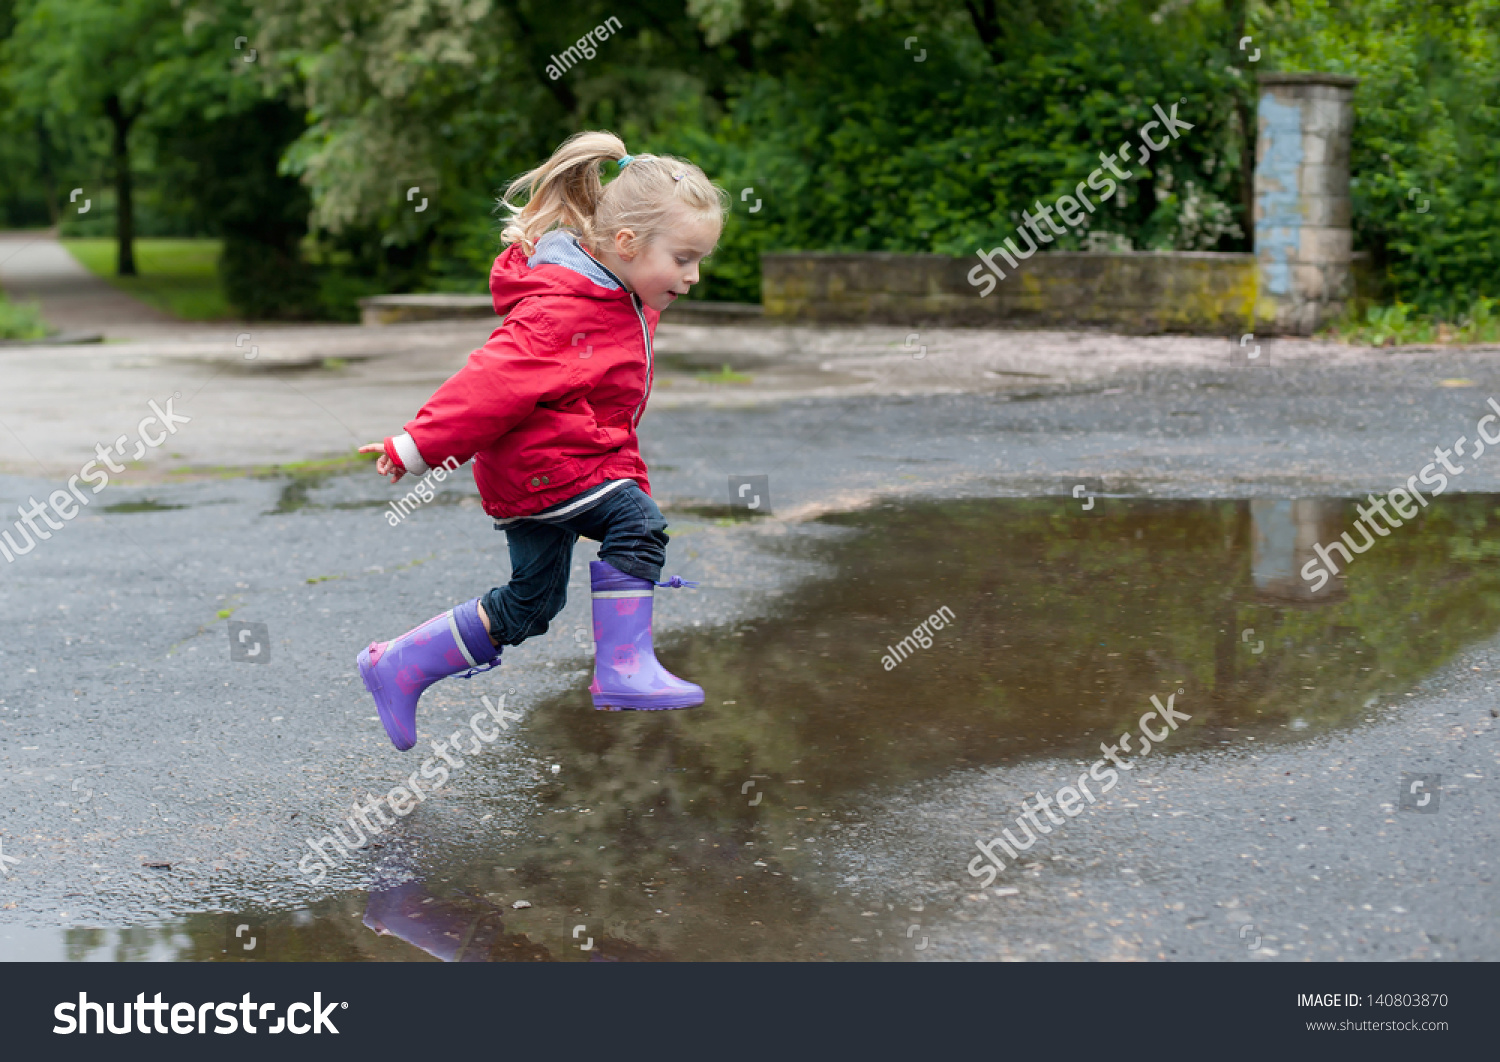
700, 834
452, 931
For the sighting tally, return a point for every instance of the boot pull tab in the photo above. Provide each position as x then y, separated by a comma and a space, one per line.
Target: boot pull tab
678, 581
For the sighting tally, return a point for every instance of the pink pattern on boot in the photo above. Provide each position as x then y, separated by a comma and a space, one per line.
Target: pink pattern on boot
409, 679
625, 660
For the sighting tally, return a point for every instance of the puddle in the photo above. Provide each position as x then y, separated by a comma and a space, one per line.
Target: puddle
143, 505
296, 495
735, 514
702, 834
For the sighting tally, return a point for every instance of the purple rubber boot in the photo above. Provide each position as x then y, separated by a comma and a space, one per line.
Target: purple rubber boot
627, 676
396, 672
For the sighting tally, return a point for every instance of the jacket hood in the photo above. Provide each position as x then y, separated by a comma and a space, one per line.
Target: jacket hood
559, 267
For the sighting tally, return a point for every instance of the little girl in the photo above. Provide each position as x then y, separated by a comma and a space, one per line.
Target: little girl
548, 410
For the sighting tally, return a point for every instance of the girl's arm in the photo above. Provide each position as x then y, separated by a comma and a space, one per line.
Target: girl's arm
518, 369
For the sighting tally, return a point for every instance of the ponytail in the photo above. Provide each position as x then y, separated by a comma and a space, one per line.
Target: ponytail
565, 191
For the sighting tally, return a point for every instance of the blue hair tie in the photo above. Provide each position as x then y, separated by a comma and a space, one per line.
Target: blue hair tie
625, 160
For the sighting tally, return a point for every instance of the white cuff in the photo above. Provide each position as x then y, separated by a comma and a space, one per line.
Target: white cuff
411, 457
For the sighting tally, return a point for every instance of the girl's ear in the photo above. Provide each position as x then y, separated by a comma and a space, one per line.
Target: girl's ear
625, 244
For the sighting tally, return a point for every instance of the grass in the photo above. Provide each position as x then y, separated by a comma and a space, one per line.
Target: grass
725, 375
177, 276
323, 466
1401, 323
20, 320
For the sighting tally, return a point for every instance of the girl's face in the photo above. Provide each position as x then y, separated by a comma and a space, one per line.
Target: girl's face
666, 266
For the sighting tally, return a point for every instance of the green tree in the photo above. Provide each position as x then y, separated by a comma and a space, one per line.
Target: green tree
220, 126
87, 60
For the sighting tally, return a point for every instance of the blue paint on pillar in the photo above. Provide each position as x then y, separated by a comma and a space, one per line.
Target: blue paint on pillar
1278, 226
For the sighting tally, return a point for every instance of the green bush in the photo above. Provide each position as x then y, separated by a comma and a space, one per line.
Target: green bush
21, 320
1425, 169
858, 147
1402, 323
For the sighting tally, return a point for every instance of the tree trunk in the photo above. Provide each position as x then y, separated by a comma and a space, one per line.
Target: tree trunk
124, 206
49, 178
561, 91
987, 24
1249, 129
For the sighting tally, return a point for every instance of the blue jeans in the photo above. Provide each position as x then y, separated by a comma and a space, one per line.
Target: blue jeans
631, 534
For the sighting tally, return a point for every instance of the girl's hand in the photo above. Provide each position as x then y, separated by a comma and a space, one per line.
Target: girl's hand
384, 465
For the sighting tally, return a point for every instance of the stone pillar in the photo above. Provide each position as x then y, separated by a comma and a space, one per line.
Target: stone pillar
1303, 238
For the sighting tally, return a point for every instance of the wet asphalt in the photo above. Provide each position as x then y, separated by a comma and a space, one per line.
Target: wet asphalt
145, 776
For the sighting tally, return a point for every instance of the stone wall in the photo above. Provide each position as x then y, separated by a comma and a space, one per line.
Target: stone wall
1301, 275
1134, 292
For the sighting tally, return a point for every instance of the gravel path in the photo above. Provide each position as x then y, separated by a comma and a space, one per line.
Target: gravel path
35, 266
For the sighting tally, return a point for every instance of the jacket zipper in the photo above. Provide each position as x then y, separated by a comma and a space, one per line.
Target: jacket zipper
635, 302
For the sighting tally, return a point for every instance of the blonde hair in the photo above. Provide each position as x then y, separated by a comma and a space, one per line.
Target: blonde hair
566, 191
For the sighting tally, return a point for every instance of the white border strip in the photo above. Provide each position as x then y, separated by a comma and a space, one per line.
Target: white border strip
594, 495
459, 638
406, 449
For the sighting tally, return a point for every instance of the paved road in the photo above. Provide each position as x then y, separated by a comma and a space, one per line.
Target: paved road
117, 682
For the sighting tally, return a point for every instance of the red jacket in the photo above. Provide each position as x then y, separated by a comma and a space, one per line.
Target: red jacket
549, 406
